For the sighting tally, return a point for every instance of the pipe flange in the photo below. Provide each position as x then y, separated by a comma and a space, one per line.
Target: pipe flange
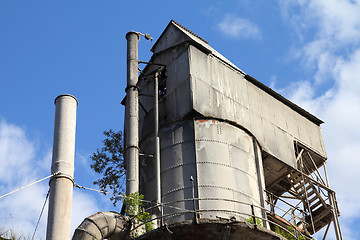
62, 175
132, 86
126, 148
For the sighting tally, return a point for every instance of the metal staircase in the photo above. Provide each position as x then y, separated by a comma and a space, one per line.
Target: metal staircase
314, 198
300, 197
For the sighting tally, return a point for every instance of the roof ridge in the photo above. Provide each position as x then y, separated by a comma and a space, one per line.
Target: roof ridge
187, 30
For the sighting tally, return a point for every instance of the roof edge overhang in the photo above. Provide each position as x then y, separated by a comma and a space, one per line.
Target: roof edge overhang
284, 100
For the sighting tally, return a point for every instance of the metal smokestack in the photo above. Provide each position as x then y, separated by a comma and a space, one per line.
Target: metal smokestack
61, 185
132, 115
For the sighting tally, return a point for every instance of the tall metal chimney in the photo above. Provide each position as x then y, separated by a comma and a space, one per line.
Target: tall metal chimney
61, 184
132, 115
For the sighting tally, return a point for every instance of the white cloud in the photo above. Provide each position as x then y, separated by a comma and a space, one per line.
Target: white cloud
339, 19
332, 54
336, 20
20, 165
325, 29
20, 210
237, 27
14, 152
83, 206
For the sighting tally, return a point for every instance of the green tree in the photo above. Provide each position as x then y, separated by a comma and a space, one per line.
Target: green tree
109, 162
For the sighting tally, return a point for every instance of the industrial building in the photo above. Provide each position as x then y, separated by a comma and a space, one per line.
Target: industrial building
216, 153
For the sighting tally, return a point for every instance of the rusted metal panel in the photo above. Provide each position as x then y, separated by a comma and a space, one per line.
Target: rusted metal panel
226, 168
177, 88
275, 147
280, 117
178, 164
268, 105
174, 35
223, 167
218, 95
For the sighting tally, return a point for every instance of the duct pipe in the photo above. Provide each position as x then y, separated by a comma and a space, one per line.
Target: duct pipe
132, 115
61, 185
157, 140
103, 225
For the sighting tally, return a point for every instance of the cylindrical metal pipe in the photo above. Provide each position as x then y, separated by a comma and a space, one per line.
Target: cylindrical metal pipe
132, 115
61, 185
335, 215
260, 178
333, 206
326, 176
157, 139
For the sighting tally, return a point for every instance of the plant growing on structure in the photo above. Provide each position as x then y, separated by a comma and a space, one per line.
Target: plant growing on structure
287, 235
259, 222
134, 203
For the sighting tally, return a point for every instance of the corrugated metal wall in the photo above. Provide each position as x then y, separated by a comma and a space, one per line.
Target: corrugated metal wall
221, 159
220, 91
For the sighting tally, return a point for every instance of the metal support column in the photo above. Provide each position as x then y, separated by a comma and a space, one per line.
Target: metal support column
131, 142
261, 185
334, 209
157, 140
335, 215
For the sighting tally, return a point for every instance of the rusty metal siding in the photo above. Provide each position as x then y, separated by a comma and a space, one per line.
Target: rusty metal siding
226, 169
178, 164
219, 156
222, 92
178, 89
172, 37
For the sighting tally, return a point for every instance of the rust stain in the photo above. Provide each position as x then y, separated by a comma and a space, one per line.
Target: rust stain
205, 120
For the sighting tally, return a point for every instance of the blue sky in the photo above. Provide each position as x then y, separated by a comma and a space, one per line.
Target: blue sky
309, 51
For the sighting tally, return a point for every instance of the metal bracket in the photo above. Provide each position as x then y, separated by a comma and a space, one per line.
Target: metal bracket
146, 155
